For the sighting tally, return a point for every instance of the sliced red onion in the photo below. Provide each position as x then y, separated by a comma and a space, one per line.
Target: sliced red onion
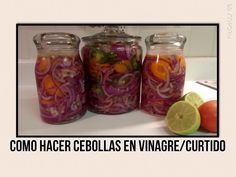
106, 104
46, 97
130, 51
104, 91
56, 74
128, 75
82, 87
113, 85
163, 95
153, 85
130, 101
166, 92
66, 88
158, 110
120, 50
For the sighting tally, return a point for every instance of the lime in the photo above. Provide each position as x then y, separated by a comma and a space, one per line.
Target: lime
183, 118
193, 98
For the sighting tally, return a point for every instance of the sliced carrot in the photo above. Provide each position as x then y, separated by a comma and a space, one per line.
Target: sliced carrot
59, 93
104, 65
120, 68
126, 62
49, 85
153, 57
181, 60
47, 102
164, 58
43, 64
93, 61
160, 69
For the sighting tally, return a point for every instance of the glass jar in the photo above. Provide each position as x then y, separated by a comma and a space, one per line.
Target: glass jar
59, 77
112, 61
163, 73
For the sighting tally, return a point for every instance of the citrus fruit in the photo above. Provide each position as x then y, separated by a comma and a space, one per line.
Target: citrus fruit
193, 98
183, 118
208, 112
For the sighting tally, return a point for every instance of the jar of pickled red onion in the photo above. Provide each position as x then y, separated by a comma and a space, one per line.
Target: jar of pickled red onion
163, 74
59, 77
112, 61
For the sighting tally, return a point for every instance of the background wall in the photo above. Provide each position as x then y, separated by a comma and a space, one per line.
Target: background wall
201, 40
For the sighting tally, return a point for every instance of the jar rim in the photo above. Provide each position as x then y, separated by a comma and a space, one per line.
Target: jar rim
103, 38
56, 39
111, 32
166, 39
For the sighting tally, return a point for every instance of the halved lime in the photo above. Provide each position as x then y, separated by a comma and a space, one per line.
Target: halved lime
193, 98
183, 118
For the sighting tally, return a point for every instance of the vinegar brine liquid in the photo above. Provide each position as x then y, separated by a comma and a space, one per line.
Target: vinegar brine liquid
163, 80
60, 86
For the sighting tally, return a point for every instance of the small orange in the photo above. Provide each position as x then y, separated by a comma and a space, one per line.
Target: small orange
208, 112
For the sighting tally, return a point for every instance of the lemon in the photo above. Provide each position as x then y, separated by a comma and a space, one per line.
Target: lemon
183, 118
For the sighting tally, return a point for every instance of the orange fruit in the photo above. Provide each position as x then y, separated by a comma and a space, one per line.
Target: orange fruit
208, 112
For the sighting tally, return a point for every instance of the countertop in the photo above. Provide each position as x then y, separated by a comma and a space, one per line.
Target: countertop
135, 123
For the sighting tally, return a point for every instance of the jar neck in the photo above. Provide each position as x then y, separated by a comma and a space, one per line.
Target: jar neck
156, 50
113, 29
56, 41
61, 52
165, 43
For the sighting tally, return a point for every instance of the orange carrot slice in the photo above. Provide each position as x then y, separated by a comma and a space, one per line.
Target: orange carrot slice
47, 102
160, 69
59, 93
181, 60
120, 68
43, 64
126, 62
93, 61
105, 65
49, 85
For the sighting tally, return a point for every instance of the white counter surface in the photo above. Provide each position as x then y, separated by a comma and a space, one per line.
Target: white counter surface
129, 124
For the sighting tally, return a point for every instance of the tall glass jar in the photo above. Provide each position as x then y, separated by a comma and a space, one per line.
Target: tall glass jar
163, 74
59, 77
113, 71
